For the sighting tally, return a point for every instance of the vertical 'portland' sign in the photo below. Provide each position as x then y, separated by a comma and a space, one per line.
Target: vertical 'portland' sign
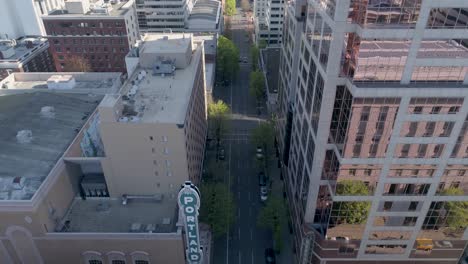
189, 203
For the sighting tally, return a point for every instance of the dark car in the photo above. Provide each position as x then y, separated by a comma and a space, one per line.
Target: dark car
270, 256
262, 178
221, 154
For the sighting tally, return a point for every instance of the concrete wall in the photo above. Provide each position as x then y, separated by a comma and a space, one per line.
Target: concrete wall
135, 164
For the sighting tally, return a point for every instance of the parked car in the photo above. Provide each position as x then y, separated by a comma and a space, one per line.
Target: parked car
221, 154
259, 152
270, 256
263, 193
340, 238
244, 59
262, 179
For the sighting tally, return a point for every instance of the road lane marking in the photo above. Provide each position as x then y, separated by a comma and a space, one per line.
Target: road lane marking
251, 234
240, 258
239, 233
249, 197
252, 257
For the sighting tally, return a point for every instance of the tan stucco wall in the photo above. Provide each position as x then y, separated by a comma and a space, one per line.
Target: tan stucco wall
129, 164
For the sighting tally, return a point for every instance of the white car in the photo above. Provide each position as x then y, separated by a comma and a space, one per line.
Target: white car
259, 153
263, 193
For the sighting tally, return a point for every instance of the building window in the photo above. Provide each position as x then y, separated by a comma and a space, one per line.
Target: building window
141, 262
417, 110
454, 109
118, 262
413, 206
436, 109
151, 138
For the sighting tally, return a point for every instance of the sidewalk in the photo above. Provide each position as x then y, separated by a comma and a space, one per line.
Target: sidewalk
286, 255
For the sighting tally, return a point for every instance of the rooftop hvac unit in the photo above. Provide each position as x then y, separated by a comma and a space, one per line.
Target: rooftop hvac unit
164, 67
135, 227
166, 221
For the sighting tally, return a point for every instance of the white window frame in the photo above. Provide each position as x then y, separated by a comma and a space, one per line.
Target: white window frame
92, 255
139, 255
116, 255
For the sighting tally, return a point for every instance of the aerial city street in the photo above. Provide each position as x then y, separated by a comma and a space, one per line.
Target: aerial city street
234, 131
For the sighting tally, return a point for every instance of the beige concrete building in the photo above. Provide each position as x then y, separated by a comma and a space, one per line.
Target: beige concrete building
90, 168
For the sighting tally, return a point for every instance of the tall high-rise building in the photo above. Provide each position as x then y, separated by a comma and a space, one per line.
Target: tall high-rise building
373, 130
91, 167
23, 17
268, 21
99, 33
26, 54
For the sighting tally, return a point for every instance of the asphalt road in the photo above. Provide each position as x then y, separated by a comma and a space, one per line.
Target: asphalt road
246, 242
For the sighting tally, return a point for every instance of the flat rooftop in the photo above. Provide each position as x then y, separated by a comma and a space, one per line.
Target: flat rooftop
20, 50
209, 41
89, 82
162, 99
173, 43
26, 158
110, 216
117, 9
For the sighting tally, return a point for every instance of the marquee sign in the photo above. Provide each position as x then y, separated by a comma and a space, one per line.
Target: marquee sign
189, 203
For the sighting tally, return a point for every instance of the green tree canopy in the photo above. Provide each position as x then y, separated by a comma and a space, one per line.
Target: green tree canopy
254, 54
273, 216
351, 212
227, 59
217, 207
262, 44
218, 113
257, 84
457, 211
264, 135
230, 8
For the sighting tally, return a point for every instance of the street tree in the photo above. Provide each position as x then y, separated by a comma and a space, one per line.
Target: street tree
273, 216
76, 64
262, 44
227, 59
264, 135
257, 85
217, 207
230, 8
457, 211
218, 114
245, 5
351, 212
254, 54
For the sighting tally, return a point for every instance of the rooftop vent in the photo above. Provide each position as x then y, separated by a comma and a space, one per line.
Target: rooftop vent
24, 136
164, 66
48, 111
135, 228
18, 183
